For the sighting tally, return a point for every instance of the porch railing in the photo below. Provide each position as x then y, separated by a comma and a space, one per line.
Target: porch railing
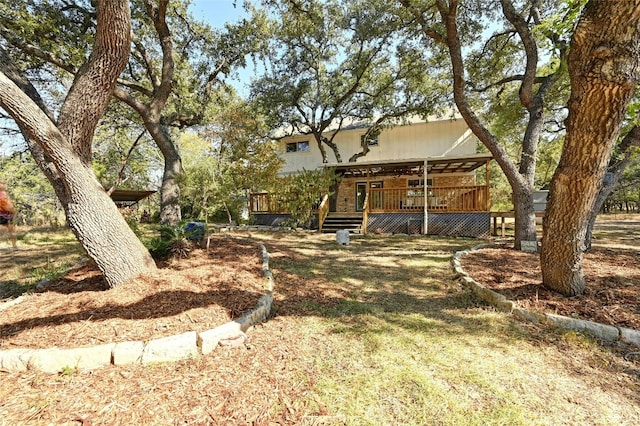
470, 198
263, 202
446, 199
323, 211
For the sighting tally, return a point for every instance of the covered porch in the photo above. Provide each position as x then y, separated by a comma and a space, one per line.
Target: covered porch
438, 196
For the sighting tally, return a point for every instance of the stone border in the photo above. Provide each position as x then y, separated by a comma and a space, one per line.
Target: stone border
500, 302
172, 348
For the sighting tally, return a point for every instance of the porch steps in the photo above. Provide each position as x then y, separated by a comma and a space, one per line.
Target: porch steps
337, 221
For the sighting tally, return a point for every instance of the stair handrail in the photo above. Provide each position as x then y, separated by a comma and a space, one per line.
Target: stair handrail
323, 211
365, 214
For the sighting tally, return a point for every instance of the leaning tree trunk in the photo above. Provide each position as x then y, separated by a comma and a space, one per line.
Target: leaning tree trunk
91, 214
520, 180
65, 154
604, 68
616, 168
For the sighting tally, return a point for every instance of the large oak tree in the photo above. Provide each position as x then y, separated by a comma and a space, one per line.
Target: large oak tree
175, 64
509, 56
62, 145
604, 67
333, 63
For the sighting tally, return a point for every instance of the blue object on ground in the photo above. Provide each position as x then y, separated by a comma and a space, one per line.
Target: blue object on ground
195, 230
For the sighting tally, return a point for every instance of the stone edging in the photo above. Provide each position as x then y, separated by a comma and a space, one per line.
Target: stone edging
165, 349
500, 302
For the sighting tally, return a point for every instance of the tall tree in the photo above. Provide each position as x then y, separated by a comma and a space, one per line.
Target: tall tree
175, 64
62, 146
604, 67
334, 63
230, 155
501, 62
623, 156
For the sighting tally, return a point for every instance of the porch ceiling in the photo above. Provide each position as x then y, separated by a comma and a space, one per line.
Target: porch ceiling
438, 165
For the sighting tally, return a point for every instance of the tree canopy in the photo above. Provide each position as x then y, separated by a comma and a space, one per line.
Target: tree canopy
331, 63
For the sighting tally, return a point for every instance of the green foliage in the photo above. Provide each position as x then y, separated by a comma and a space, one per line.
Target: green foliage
302, 192
173, 241
227, 158
123, 153
332, 62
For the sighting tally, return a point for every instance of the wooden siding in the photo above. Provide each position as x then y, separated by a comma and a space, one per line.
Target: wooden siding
438, 138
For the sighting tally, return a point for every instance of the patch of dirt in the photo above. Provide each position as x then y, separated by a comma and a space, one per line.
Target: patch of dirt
612, 278
198, 293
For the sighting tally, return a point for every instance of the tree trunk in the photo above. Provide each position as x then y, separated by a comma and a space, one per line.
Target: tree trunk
604, 69
151, 113
64, 150
521, 184
170, 213
616, 168
524, 213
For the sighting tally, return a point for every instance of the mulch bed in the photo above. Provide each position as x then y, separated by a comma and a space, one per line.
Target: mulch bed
197, 293
612, 277
212, 287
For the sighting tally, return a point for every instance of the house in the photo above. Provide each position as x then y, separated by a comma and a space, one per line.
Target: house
418, 177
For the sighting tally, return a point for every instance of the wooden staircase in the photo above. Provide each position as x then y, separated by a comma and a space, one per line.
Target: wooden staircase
337, 221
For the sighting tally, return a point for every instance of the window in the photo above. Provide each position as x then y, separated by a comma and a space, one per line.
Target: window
417, 183
371, 140
298, 146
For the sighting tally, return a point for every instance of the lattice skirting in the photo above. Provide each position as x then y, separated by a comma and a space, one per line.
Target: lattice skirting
476, 225
270, 219
278, 219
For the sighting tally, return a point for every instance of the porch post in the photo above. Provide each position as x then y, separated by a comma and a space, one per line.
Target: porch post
486, 188
426, 199
367, 187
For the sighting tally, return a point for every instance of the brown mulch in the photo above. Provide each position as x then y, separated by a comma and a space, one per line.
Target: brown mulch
214, 286
612, 276
197, 293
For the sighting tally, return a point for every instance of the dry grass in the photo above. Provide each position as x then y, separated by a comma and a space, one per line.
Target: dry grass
373, 333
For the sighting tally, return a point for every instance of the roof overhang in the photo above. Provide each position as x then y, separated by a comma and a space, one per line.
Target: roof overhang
435, 165
126, 197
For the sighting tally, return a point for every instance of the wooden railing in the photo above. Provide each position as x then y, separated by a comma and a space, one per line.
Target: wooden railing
323, 211
450, 199
263, 202
471, 198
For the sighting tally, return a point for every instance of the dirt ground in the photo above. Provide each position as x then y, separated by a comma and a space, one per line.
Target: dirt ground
212, 287
612, 276
198, 293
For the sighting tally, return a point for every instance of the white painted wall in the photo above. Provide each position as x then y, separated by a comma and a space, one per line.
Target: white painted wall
443, 138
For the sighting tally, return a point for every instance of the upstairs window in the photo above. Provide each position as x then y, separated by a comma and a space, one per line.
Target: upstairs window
371, 140
298, 146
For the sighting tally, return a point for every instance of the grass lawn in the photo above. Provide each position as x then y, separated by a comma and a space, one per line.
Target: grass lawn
374, 333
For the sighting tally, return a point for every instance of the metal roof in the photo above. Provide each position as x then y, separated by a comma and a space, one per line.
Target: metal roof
435, 165
127, 197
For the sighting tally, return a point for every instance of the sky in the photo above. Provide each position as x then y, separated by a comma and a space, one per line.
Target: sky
217, 13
